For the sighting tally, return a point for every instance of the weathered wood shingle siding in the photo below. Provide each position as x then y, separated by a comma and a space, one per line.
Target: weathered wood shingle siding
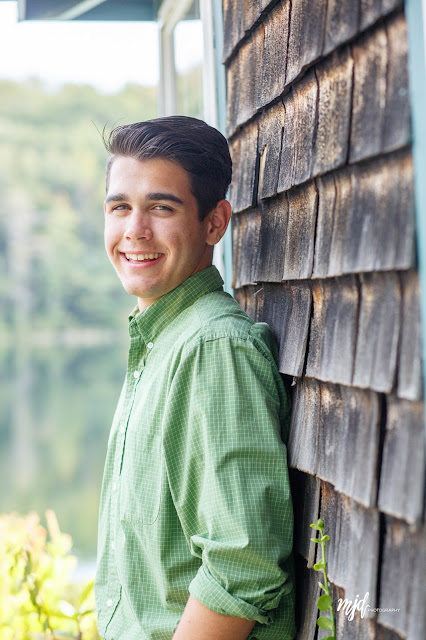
324, 251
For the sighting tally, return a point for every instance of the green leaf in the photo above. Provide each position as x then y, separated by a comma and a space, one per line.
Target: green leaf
324, 623
329, 638
325, 538
320, 524
315, 540
315, 526
319, 566
85, 593
324, 603
320, 584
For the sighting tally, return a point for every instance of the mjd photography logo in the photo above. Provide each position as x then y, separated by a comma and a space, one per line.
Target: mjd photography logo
349, 607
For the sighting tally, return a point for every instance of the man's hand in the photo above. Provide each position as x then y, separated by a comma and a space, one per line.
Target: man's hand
200, 623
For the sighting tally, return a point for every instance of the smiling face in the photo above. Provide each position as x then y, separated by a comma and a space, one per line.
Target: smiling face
153, 235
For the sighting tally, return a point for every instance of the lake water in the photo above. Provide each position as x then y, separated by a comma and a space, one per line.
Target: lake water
56, 408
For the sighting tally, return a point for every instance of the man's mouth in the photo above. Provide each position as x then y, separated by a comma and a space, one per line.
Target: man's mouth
141, 257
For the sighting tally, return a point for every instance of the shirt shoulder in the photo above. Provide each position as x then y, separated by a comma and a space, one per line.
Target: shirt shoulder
218, 315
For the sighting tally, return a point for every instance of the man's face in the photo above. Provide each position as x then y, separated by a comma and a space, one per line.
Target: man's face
153, 235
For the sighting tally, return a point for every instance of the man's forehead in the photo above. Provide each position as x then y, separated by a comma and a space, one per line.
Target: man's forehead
155, 178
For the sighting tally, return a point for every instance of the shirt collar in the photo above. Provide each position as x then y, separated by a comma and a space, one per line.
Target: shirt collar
151, 321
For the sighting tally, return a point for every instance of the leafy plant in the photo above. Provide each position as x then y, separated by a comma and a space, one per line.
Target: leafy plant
37, 598
324, 602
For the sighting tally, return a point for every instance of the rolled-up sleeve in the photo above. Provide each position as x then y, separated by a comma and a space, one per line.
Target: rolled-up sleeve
227, 471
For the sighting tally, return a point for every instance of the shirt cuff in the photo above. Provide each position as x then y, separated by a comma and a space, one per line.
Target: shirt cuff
212, 595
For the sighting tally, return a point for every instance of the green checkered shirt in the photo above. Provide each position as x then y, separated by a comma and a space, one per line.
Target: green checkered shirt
195, 495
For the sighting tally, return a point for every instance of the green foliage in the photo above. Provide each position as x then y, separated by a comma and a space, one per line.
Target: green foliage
325, 601
54, 272
37, 598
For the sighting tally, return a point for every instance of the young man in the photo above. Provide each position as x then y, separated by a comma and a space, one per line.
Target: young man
195, 528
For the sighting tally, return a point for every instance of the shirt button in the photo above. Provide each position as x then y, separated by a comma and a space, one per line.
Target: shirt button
136, 374
150, 345
109, 603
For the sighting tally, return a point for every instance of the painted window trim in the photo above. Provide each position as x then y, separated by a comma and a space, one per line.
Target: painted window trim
415, 12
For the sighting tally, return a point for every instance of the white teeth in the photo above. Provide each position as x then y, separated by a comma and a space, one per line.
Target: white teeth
142, 256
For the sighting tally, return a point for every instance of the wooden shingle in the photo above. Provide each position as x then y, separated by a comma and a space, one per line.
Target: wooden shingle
410, 357
273, 68
298, 133
334, 109
299, 247
372, 10
343, 185
307, 593
245, 229
273, 230
251, 13
243, 150
302, 445
369, 95
305, 490
306, 36
402, 584
378, 332
325, 219
378, 200
355, 629
401, 478
341, 24
232, 25
287, 310
333, 330
397, 111
354, 543
271, 126
348, 441
243, 75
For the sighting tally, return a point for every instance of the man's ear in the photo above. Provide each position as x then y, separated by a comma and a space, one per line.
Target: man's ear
217, 221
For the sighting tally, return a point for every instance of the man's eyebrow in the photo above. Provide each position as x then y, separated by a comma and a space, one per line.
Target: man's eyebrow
116, 197
159, 195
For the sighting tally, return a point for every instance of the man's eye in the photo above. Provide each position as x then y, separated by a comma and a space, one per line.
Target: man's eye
162, 207
120, 207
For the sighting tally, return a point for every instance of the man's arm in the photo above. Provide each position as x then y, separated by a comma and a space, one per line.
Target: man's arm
200, 623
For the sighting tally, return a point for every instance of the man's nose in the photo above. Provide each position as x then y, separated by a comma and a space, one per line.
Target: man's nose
138, 227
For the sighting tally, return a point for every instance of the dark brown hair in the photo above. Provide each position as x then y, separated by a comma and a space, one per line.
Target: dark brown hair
196, 146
